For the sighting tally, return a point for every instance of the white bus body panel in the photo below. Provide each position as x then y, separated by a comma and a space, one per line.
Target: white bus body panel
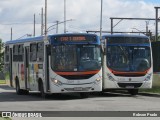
35, 74
85, 85
111, 81
18, 71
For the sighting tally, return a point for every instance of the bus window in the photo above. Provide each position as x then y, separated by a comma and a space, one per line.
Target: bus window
64, 58
40, 53
15, 53
33, 52
20, 53
7, 54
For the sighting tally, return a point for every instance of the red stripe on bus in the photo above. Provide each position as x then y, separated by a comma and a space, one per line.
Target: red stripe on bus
129, 73
78, 73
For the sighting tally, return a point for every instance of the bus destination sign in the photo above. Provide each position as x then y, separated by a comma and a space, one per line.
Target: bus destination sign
75, 38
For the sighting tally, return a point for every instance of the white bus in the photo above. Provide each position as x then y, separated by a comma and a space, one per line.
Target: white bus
64, 63
127, 63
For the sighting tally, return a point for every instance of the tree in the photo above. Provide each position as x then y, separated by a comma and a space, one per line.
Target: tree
1, 55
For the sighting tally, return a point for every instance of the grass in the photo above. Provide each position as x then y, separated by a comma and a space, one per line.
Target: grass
2, 82
153, 90
6, 118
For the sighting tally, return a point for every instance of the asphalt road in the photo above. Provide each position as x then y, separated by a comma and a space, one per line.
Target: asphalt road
10, 101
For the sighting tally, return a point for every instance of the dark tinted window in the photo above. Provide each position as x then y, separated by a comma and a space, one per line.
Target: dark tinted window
37, 51
7, 54
33, 52
18, 52
127, 40
40, 51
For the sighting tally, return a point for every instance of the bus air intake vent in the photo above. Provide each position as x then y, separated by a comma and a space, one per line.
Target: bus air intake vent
124, 85
130, 75
77, 77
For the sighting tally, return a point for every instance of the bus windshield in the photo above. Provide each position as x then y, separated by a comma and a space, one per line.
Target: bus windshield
127, 58
75, 58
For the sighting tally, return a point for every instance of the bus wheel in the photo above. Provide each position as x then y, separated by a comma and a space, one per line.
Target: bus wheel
84, 95
133, 91
43, 94
18, 90
25, 92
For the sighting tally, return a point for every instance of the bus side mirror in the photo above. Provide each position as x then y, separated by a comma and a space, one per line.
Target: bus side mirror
103, 46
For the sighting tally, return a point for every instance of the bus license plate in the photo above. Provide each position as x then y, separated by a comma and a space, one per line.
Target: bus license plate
78, 89
129, 86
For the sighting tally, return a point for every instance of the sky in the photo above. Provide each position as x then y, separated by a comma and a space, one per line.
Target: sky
81, 16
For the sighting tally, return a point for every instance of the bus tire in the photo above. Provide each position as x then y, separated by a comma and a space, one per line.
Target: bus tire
25, 92
133, 91
43, 94
84, 95
18, 90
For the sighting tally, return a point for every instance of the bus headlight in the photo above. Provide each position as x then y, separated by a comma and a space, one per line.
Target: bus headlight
98, 79
148, 77
56, 82
110, 77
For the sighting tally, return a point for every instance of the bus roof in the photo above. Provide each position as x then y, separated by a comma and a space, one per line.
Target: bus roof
40, 38
125, 35
72, 34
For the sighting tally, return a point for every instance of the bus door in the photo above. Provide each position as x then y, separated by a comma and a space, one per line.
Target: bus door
48, 50
26, 67
10, 67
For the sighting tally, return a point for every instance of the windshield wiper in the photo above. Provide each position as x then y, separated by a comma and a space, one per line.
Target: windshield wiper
62, 43
123, 51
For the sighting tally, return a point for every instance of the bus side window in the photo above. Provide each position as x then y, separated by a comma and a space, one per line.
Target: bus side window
7, 54
40, 51
15, 53
20, 53
33, 52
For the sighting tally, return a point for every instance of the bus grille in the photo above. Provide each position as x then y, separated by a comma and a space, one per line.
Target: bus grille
77, 77
83, 89
130, 75
124, 85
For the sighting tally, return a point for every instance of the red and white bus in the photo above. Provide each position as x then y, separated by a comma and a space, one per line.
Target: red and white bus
127, 63
63, 63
